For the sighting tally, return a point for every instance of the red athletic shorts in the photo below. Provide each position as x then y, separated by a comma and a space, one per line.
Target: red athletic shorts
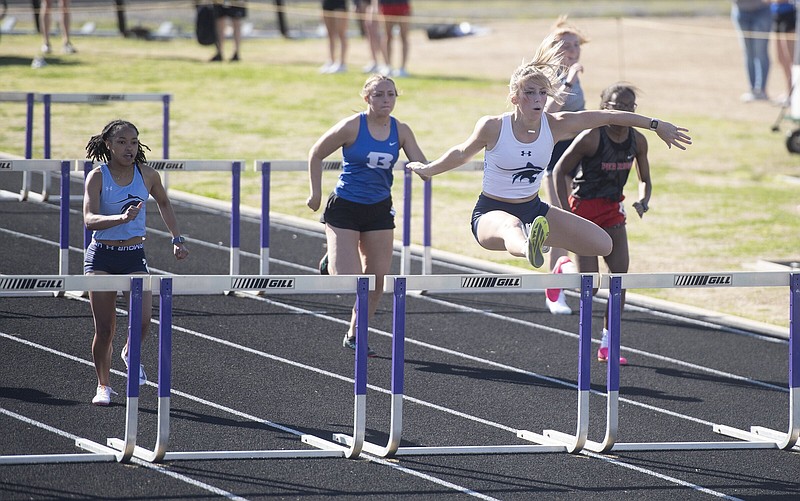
603, 212
400, 9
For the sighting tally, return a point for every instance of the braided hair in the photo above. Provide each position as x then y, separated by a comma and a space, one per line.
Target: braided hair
96, 148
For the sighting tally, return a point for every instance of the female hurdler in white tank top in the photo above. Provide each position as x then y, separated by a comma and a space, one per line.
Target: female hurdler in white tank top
513, 169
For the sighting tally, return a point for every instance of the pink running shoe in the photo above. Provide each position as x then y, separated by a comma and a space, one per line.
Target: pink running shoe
602, 356
552, 294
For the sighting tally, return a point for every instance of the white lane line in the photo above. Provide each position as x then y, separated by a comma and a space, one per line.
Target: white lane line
382, 461
159, 469
228, 410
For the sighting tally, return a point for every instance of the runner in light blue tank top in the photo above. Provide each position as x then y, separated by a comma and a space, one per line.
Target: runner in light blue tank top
116, 199
114, 206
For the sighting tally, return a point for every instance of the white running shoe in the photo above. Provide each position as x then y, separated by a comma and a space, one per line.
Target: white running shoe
559, 306
38, 62
103, 396
142, 375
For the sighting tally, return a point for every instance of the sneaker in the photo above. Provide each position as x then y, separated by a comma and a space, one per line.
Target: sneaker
555, 297
142, 375
756, 95
46, 48
559, 306
371, 68
602, 356
337, 68
69, 48
103, 396
400, 73
537, 234
217, 57
38, 62
323, 265
350, 342
326, 68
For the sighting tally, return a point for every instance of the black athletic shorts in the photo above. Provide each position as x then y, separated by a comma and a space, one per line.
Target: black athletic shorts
341, 213
231, 11
115, 260
334, 5
526, 212
784, 22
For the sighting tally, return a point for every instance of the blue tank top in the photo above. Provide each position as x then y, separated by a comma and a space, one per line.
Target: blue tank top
115, 199
367, 165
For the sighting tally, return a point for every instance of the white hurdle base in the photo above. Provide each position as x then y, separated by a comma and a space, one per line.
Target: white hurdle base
141, 452
771, 434
99, 454
545, 447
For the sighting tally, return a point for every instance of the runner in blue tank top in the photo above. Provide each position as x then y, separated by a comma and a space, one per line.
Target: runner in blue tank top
115, 197
358, 217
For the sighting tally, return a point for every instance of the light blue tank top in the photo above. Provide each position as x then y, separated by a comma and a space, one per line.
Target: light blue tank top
367, 165
115, 199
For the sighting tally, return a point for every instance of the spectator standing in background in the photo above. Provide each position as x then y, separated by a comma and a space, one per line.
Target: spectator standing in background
784, 23
235, 10
334, 14
753, 21
367, 12
45, 17
396, 13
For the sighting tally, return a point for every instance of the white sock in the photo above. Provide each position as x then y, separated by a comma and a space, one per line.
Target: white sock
604, 340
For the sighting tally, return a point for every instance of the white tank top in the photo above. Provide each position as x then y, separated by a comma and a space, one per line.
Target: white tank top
513, 169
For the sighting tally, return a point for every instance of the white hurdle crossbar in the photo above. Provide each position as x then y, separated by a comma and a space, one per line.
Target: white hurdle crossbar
276, 284
17, 285
757, 438
232, 166
399, 285
62, 166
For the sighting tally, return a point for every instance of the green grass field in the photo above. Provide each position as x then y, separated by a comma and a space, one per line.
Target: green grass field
723, 205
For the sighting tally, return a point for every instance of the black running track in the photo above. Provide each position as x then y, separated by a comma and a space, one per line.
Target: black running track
255, 373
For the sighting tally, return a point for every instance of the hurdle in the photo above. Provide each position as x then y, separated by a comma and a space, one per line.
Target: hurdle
399, 286
48, 99
60, 284
757, 438
267, 166
232, 166
62, 166
276, 284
